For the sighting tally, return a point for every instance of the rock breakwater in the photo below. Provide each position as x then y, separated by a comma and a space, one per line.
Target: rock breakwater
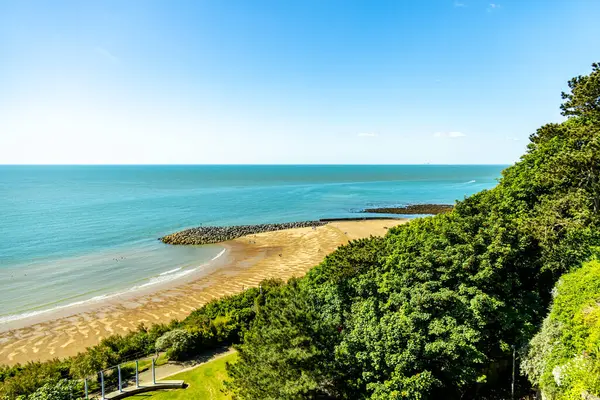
217, 234
412, 209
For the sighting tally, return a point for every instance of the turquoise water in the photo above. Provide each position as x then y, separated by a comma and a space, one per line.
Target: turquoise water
73, 233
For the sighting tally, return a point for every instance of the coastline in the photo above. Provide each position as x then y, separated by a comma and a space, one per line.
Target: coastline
18, 321
246, 261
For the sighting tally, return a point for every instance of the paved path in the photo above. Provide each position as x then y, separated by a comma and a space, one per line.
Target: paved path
172, 368
162, 372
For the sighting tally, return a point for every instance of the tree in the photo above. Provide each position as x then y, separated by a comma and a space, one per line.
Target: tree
286, 353
62, 390
563, 359
433, 310
584, 98
177, 343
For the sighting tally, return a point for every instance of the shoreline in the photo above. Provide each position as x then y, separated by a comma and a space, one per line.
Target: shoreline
154, 282
18, 321
219, 234
202, 235
247, 260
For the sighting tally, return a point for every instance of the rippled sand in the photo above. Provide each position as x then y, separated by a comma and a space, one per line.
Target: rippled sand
279, 254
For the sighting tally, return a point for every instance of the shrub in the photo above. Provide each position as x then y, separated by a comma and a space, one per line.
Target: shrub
62, 390
563, 358
217, 323
178, 343
434, 309
26, 379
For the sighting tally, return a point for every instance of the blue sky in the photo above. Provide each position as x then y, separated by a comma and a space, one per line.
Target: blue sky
395, 82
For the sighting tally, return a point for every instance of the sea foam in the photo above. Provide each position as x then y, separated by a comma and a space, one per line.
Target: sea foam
161, 278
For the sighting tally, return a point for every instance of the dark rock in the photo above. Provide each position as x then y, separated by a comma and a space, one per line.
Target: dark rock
412, 209
216, 234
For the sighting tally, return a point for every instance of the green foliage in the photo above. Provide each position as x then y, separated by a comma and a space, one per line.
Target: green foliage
177, 343
584, 99
218, 323
433, 310
430, 311
289, 350
564, 357
539, 349
222, 321
62, 390
116, 349
302, 364
26, 379
205, 382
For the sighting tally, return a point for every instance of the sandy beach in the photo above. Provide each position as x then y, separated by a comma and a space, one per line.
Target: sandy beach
250, 259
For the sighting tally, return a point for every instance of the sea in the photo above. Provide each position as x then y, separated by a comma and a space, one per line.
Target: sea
76, 234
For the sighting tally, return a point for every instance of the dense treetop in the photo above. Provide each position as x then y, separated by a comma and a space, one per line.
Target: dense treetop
434, 308
564, 357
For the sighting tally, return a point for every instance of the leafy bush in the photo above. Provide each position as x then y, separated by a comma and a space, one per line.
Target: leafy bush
218, 323
434, 309
62, 390
177, 343
26, 379
271, 367
564, 357
430, 311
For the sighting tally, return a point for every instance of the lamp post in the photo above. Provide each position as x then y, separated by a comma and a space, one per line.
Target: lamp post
102, 383
120, 383
512, 386
153, 373
137, 374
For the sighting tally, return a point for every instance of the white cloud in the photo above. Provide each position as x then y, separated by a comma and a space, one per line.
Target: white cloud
459, 4
492, 7
367, 134
451, 135
107, 54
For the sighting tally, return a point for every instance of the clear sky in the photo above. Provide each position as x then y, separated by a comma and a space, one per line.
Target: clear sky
220, 81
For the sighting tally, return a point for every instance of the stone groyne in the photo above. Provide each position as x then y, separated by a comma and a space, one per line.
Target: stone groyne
217, 234
412, 209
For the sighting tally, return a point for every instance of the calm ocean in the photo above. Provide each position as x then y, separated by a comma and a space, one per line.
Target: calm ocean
74, 233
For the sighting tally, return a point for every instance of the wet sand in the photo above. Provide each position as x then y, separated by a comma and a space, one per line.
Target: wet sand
249, 260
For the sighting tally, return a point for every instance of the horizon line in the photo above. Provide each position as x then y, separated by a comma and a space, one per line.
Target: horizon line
245, 164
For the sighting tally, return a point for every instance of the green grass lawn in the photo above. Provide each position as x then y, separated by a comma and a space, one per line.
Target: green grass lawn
205, 382
146, 364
